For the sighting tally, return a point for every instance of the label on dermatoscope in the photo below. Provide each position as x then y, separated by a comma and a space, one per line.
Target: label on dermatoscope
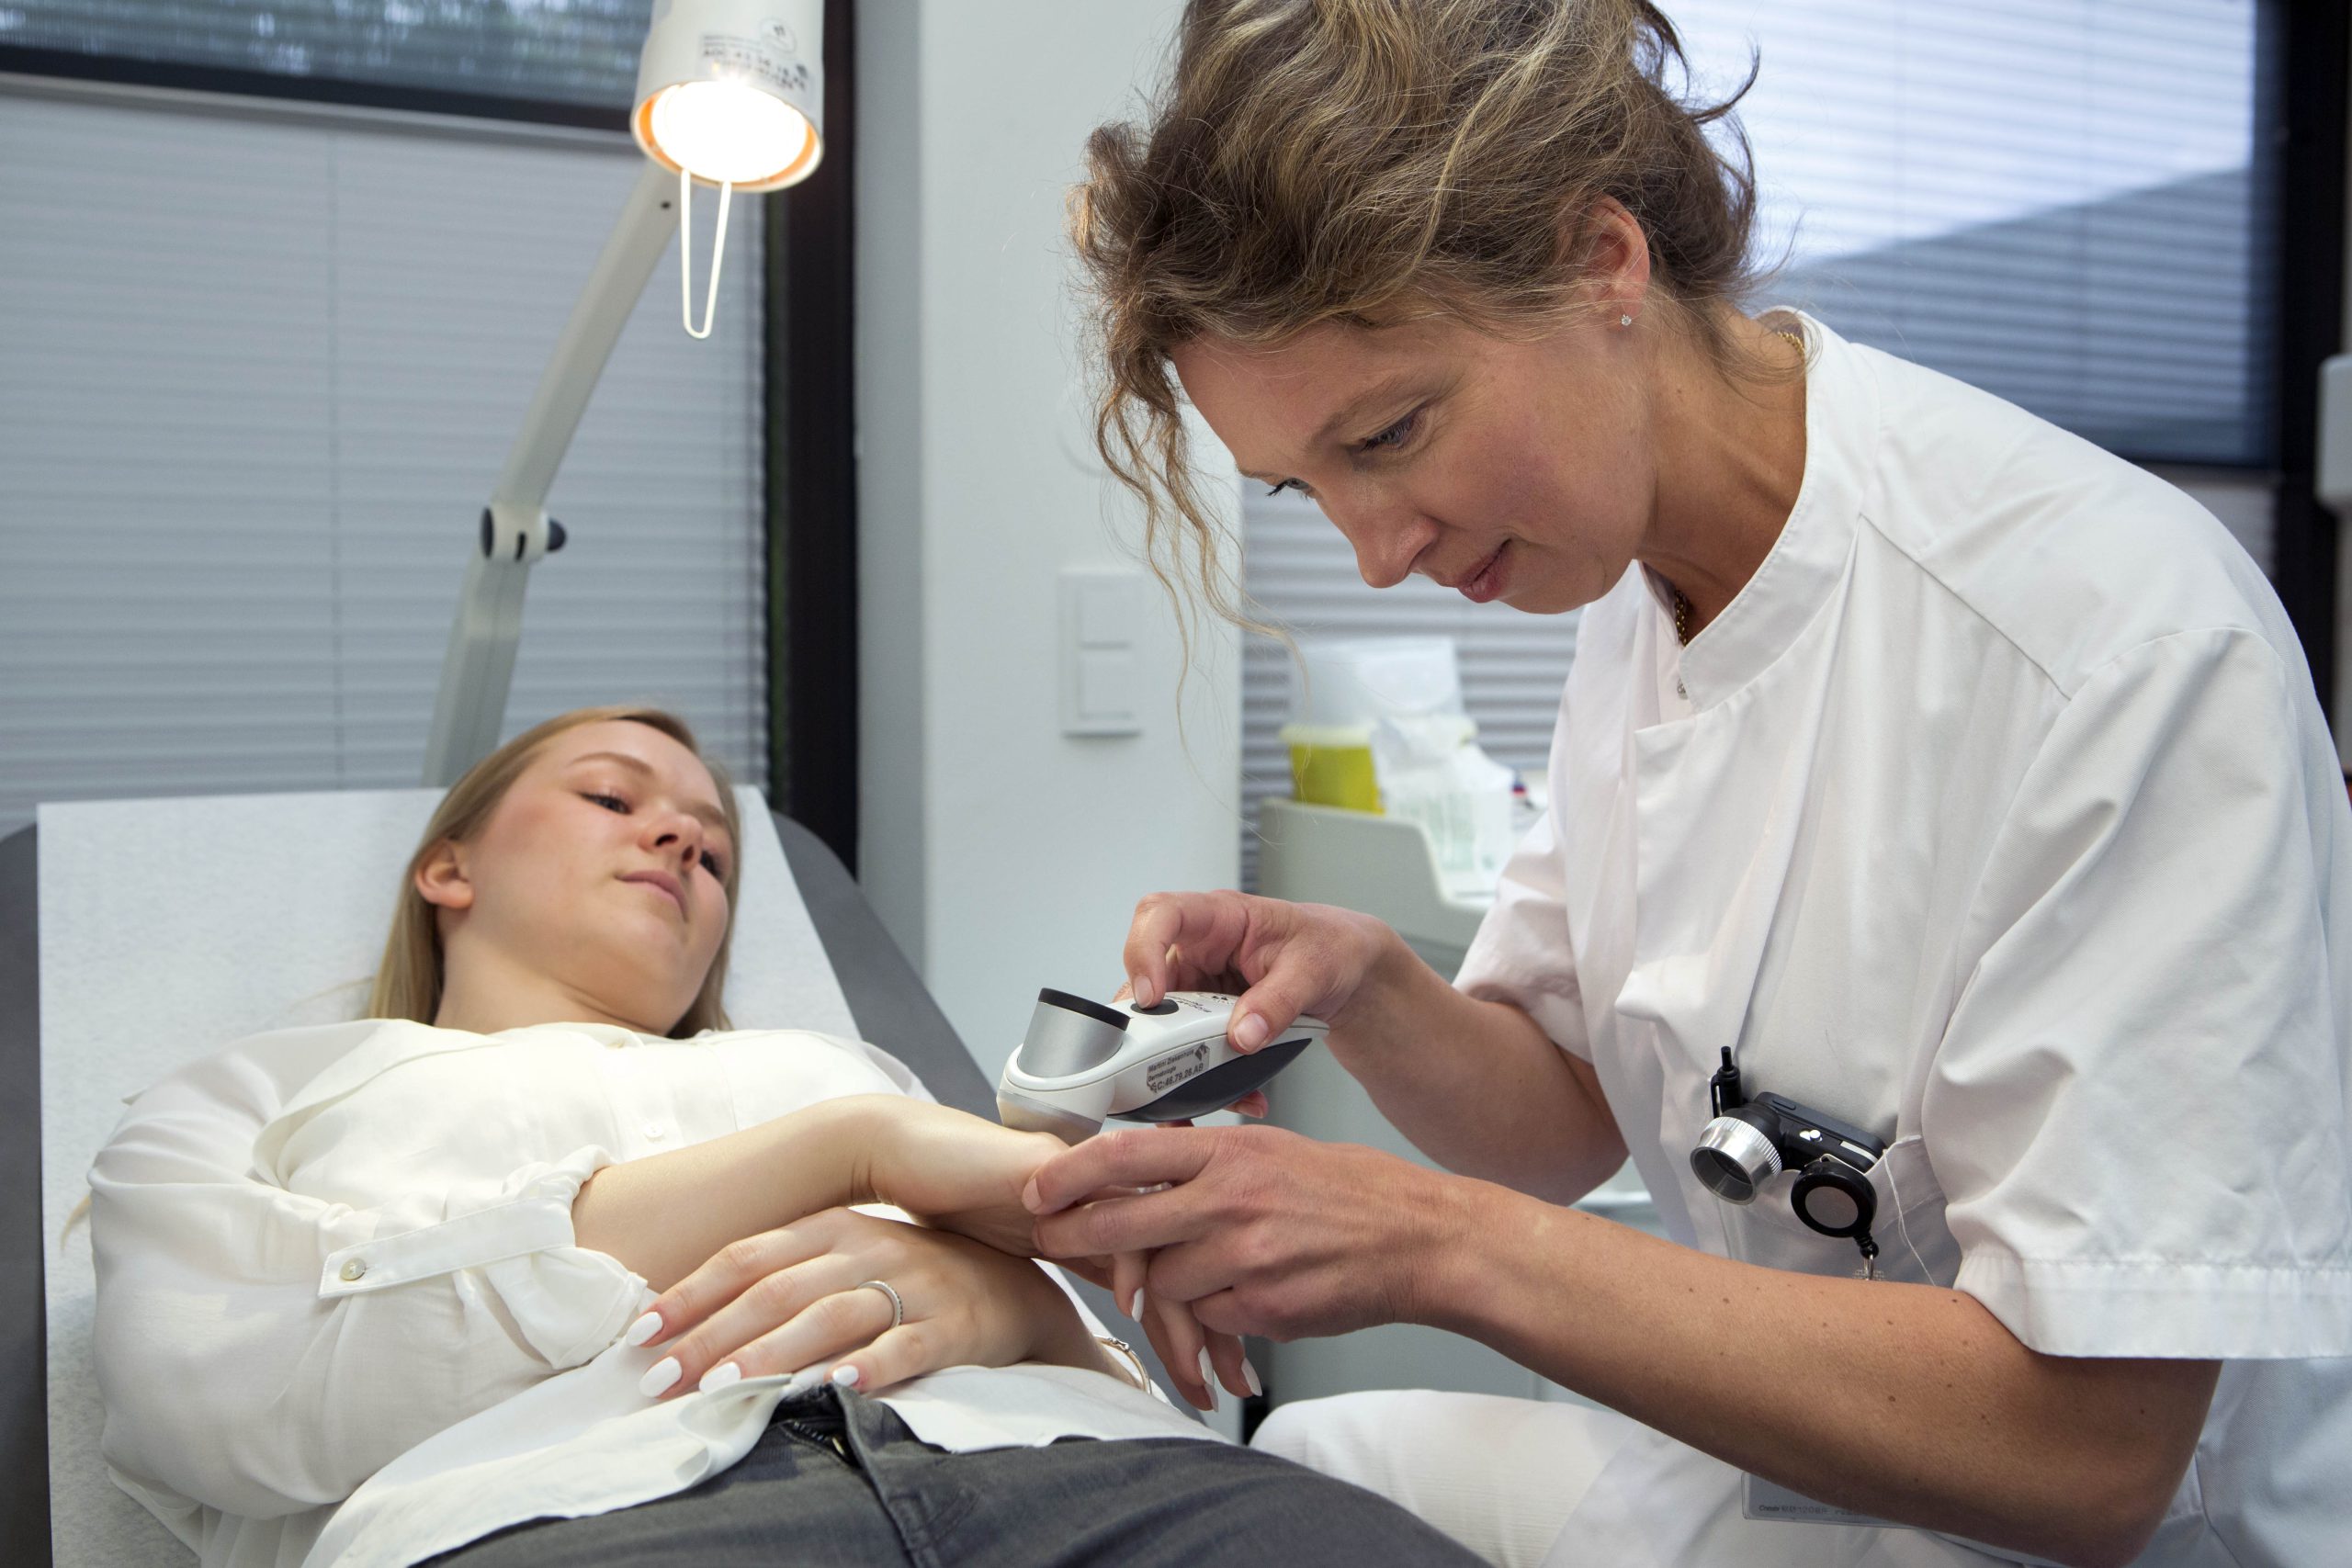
1169, 1071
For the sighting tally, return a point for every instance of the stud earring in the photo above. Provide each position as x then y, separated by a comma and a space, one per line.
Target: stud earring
1625, 321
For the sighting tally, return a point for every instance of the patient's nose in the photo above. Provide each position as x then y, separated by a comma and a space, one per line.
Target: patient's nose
678, 833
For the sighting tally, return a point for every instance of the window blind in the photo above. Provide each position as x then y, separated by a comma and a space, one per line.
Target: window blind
2057, 200
257, 375
581, 52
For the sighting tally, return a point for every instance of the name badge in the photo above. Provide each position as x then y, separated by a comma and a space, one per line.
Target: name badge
1762, 1499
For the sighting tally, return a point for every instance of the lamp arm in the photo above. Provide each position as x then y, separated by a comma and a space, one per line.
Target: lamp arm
479, 668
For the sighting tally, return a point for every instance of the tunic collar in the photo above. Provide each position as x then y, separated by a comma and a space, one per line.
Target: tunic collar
1842, 437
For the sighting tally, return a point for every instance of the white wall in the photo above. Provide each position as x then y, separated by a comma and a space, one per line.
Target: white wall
1002, 855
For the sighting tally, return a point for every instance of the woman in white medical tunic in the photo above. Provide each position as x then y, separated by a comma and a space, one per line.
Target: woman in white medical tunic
1963, 783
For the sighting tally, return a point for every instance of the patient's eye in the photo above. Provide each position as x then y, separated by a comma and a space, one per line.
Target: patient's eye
610, 802
710, 864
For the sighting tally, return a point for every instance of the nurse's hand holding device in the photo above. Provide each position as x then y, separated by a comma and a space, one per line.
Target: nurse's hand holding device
1170, 1060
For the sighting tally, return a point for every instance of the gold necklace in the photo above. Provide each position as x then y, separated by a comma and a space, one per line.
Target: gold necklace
1681, 601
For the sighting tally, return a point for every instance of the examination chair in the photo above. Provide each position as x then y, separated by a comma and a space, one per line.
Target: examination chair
75, 1516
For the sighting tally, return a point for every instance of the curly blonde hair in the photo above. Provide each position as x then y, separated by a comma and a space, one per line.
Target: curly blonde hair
1368, 161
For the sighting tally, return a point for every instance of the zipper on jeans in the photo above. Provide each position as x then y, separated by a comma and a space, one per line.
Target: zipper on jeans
809, 1434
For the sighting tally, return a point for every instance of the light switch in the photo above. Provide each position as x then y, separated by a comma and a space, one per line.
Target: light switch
1107, 685
1106, 613
1101, 612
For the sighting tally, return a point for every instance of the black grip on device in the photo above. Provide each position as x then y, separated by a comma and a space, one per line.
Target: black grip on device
1219, 1087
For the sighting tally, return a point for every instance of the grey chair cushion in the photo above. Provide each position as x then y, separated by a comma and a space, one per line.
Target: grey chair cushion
24, 1325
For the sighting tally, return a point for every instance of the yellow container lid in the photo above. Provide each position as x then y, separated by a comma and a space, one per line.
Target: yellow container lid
1330, 764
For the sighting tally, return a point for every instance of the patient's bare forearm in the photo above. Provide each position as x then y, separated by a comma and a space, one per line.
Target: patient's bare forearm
664, 1214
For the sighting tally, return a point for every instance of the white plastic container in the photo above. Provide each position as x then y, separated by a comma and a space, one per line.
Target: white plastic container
1351, 681
1406, 692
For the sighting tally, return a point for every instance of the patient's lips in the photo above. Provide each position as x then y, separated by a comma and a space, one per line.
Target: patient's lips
661, 880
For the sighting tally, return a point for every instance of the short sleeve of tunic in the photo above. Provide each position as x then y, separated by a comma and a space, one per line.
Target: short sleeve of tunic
1521, 954
2137, 1111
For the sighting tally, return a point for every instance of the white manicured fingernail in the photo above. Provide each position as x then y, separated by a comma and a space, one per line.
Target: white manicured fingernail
1208, 1377
1135, 1311
663, 1372
723, 1375
643, 1329
844, 1377
1250, 1376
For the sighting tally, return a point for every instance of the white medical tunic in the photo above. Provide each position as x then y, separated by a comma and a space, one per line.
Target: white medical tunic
337, 1263
1996, 814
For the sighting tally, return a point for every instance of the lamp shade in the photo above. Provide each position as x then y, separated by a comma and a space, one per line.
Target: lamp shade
732, 92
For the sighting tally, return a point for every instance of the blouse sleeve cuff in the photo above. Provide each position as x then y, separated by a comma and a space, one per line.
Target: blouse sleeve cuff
2112, 1307
567, 1301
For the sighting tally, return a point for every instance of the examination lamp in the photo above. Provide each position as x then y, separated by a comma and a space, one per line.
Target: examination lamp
730, 92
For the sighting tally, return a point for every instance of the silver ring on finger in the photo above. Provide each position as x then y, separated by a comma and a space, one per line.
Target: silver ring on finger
898, 1306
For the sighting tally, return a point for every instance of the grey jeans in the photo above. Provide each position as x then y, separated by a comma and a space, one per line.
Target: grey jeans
839, 1479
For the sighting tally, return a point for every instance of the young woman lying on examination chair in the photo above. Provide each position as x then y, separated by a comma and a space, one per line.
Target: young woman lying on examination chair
426, 1248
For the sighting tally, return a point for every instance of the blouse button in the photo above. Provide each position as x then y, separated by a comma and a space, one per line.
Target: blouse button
353, 1269
655, 1132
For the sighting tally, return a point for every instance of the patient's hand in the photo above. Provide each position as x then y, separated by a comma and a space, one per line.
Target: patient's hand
967, 1174
788, 1299
956, 1171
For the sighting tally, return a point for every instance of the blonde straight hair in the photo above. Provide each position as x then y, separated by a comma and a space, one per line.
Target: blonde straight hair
407, 982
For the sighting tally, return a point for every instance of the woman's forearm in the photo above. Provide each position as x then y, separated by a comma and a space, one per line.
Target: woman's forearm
1475, 1085
665, 1214
1908, 1402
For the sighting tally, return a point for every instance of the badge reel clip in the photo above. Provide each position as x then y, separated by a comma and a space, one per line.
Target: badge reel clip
1751, 1141
1081, 1061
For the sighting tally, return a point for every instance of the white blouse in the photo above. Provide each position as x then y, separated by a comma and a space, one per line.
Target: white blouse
1996, 816
324, 1250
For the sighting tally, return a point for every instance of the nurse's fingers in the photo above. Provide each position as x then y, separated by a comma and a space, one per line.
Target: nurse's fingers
1250, 1104
1176, 936
1149, 1221
1136, 1158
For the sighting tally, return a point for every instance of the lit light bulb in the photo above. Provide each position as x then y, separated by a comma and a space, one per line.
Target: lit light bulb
727, 133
